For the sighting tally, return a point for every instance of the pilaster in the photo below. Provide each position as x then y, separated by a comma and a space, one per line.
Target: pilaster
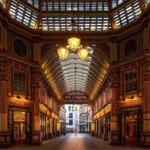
36, 140
58, 128
51, 129
145, 135
5, 140
93, 128
113, 80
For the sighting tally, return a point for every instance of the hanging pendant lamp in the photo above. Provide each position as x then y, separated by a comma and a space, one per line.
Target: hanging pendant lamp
83, 53
63, 52
74, 43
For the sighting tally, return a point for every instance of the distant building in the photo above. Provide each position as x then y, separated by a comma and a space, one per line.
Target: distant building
85, 117
62, 120
72, 118
78, 118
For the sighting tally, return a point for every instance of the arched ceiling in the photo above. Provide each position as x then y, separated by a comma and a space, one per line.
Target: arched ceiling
74, 74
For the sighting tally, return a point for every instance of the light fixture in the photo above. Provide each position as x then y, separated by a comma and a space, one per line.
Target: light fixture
73, 42
62, 52
74, 39
83, 53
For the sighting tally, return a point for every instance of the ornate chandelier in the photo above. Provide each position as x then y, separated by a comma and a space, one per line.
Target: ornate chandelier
73, 42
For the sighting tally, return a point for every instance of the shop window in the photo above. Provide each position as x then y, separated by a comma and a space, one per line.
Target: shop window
19, 81
131, 81
43, 126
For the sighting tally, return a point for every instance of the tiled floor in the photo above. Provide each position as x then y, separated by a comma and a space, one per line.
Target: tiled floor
74, 142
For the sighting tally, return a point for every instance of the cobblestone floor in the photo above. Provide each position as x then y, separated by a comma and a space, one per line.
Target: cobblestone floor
74, 142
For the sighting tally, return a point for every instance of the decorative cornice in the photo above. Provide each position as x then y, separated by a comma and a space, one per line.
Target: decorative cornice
130, 103
20, 102
103, 112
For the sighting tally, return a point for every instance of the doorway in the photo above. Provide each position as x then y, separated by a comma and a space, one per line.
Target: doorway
20, 125
131, 126
131, 133
19, 133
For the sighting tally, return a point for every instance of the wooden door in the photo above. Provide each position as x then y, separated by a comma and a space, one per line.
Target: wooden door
19, 133
131, 133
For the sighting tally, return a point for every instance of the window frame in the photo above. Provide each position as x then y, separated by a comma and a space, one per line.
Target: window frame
19, 83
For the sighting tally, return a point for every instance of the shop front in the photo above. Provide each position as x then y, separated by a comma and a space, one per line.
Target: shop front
19, 125
43, 127
107, 127
131, 126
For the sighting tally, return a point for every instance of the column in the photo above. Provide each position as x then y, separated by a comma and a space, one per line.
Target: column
58, 127
46, 126
145, 135
93, 127
5, 139
36, 140
51, 119
113, 80
54, 128
96, 127
51, 129
99, 128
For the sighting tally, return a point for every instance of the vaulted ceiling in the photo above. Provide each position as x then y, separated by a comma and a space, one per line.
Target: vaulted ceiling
74, 75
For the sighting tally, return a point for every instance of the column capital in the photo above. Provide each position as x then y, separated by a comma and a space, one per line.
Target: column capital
113, 78
37, 76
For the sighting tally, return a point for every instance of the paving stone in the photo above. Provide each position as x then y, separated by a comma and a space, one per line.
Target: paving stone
74, 142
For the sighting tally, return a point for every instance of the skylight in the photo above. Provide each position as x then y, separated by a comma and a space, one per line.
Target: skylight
90, 15
54, 16
23, 14
127, 14
34, 3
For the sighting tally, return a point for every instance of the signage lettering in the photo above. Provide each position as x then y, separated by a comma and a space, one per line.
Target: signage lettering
75, 97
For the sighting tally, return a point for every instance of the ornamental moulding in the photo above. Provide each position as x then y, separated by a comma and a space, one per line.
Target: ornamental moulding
20, 102
130, 103
103, 112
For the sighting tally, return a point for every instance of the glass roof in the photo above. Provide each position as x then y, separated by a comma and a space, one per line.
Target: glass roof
51, 15
73, 74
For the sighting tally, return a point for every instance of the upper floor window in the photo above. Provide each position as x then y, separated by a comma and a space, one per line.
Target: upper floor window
19, 81
70, 115
69, 108
70, 122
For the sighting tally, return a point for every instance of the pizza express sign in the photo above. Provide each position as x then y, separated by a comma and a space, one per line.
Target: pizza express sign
75, 97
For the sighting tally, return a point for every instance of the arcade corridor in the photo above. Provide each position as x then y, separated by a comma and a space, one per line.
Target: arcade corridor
89, 52
74, 141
